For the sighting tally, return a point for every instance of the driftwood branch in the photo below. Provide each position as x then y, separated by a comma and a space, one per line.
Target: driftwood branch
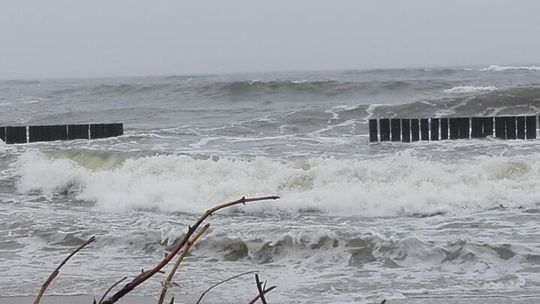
262, 290
149, 273
222, 282
168, 282
110, 288
57, 270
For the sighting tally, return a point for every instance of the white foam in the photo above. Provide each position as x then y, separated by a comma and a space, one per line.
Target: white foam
499, 68
402, 184
469, 89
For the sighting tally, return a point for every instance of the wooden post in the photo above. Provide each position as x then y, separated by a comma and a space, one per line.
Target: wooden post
464, 128
15, 135
487, 126
47, 133
520, 123
510, 127
424, 129
530, 124
406, 130
373, 134
113, 129
477, 127
415, 130
444, 128
395, 125
454, 128
434, 129
500, 127
78, 131
384, 124
97, 131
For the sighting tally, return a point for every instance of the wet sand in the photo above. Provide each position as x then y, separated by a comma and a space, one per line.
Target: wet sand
82, 299
455, 299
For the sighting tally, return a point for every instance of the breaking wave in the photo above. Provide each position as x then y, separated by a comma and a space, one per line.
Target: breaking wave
390, 186
500, 68
469, 89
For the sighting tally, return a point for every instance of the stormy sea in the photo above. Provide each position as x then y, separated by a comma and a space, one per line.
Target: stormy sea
358, 222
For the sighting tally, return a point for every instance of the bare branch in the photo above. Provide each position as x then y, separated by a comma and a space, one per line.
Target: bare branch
57, 270
110, 288
221, 282
149, 273
264, 292
168, 282
260, 288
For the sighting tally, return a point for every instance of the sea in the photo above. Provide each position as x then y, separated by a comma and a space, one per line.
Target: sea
449, 221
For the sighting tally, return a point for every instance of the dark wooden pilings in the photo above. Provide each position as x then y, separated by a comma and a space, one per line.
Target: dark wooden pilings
407, 130
530, 127
15, 135
46, 133
78, 132
22, 134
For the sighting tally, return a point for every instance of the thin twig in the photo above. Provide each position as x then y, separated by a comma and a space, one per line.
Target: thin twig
149, 273
172, 301
57, 270
168, 282
221, 282
110, 288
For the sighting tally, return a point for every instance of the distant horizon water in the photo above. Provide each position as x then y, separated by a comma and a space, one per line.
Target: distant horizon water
281, 71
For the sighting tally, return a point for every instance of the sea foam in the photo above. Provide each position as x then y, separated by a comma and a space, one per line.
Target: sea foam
499, 68
398, 185
469, 89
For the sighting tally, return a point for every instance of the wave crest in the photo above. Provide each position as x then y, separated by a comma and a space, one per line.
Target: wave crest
402, 185
500, 68
469, 89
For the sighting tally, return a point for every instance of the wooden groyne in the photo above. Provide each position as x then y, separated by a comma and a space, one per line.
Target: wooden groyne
28, 134
432, 129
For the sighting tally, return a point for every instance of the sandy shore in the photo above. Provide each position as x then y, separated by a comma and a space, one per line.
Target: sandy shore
455, 299
83, 299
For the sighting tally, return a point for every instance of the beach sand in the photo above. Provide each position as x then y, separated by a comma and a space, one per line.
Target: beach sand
73, 300
456, 299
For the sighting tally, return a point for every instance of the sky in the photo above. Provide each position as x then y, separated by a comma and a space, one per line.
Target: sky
107, 38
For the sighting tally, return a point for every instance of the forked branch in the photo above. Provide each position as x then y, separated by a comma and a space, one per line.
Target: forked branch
168, 282
149, 273
262, 290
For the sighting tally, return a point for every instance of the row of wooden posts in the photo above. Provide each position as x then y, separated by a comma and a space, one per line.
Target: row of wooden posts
410, 130
26, 134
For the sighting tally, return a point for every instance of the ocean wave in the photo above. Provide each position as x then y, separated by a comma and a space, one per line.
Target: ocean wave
401, 185
500, 68
260, 87
469, 89
326, 246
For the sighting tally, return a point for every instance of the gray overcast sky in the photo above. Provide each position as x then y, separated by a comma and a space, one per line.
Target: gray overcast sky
76, 38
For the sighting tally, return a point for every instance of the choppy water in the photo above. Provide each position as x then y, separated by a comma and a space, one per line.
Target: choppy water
357, 222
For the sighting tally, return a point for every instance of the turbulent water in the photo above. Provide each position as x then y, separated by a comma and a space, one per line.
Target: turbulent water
356, 222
